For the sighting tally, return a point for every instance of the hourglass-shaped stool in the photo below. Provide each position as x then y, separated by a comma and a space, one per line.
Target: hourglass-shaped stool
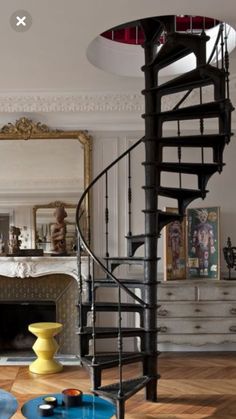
45, 347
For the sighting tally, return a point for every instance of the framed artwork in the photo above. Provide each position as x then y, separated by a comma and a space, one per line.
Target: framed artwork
203, 243
175, 249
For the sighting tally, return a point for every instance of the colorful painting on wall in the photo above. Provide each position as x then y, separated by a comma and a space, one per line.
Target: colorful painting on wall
203, 260
175, 249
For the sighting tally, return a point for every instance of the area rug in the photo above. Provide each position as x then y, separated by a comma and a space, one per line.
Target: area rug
8, 404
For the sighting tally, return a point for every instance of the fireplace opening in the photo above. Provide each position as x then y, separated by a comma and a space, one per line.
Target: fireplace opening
15, 318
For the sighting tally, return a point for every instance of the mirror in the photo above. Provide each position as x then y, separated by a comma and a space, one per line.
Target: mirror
50, 166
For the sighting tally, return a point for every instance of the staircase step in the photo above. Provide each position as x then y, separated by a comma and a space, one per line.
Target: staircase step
208, 140
191, 168
109, 360
105, 306
177, 46
183, 196
108, 306
129, 387
206, 110
114, 262
130, 283
215, 141
134, 242
201, 76
111, 332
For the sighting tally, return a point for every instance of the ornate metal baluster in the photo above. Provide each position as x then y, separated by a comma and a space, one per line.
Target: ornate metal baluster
179, 155
120, 345
93, 311
80, 281
129, 197
106, 216
201, 126
222, 49
226, 62
191, 24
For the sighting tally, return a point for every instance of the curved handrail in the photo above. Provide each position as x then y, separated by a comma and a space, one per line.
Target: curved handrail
82, 238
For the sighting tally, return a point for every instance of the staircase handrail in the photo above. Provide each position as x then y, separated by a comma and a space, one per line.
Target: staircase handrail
82, 238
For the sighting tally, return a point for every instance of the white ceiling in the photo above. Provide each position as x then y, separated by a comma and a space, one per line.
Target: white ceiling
51, 55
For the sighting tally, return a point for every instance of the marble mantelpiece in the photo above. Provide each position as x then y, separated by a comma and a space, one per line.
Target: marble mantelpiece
34, 266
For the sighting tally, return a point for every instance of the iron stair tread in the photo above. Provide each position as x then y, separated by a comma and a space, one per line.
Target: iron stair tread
200, 76
205, 110
175, 48
177, 192
191, 168
129, 387
136, 237
132, 283
109, 332
206, 140
106, 306
112, 359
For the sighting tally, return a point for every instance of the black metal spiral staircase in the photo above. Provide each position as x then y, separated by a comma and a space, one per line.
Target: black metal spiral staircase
176, 46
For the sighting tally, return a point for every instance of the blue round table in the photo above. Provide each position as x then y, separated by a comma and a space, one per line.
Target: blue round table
8, 404
92, 407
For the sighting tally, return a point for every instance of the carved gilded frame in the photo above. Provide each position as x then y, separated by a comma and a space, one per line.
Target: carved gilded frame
26, 129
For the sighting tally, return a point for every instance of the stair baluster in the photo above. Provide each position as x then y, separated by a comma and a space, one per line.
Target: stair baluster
226, 62
201, 126
129, 197
179, 155
222, 48
80, 325
120, 345
106, 217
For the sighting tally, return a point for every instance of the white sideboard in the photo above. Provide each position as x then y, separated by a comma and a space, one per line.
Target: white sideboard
196, 314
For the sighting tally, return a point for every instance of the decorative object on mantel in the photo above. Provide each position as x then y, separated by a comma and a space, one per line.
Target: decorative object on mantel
46, 231
14, 241
229, 253
58, 231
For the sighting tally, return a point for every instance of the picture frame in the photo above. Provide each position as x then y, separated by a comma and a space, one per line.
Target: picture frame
175, 249
203, 243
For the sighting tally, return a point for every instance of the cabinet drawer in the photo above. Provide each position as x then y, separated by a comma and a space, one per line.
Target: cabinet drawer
176, 293
201, 309
217, 292
197, 326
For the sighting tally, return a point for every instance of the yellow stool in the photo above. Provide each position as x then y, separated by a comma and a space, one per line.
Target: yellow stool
45, 347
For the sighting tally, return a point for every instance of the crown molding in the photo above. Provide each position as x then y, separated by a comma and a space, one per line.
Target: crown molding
87, 103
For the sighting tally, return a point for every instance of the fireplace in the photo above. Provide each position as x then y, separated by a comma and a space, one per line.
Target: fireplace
15, 316
58, 289
51, 281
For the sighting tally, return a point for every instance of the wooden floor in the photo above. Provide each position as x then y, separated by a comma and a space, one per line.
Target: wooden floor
192, 386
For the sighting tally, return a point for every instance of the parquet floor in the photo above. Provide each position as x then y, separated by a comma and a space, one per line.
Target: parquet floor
193, 386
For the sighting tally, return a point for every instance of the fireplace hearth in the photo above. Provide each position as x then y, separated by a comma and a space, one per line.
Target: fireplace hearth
15, 316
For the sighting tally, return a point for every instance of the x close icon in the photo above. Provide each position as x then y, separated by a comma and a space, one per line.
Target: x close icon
21, 21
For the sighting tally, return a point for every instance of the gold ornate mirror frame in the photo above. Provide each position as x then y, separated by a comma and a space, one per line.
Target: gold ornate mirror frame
26, 129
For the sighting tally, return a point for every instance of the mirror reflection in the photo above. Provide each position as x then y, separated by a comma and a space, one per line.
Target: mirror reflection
53, 165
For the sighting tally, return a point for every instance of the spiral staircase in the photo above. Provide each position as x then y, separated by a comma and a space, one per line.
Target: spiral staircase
142, 294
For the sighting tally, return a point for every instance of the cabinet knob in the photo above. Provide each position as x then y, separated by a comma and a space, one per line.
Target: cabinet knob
233, 310
197, 326
162, 312
169, 293
225, 293
232, 328
197, 310
162, 329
